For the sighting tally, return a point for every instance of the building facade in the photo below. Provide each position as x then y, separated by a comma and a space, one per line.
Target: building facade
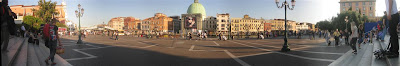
223, 23
246, 25
117, 23
210, 24
302, 26
131, 24
366, 7
279, 25
27, 10
158, 23
267, 25
176, 23
192, 23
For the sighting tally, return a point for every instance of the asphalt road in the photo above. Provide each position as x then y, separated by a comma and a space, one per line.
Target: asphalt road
133, 51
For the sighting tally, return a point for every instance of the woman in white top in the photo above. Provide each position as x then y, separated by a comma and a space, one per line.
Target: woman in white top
353, 37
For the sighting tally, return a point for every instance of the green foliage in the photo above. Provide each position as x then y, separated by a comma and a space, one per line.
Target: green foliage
28, 21
324, 25
340, 23
46, 10
58, 24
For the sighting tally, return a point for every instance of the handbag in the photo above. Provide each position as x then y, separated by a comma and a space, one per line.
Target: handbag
60, 50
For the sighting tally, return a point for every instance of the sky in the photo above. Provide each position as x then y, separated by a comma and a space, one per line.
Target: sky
99, 11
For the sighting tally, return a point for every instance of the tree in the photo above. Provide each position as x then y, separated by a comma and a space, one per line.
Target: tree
46, 11
28, 21
339, 23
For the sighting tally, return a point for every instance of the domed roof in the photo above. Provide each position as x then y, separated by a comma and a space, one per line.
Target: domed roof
196, 7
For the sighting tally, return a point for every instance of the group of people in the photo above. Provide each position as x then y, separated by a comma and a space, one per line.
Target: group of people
201, 36
358, 35
8, 28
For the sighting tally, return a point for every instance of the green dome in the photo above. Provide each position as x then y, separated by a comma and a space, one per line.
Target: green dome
196, 8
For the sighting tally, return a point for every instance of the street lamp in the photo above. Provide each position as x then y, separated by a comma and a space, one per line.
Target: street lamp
79, 14
285, 4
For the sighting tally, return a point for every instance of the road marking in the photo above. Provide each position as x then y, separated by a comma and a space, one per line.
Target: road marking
260, 44
191, 48
341, 58
255, 54
329, 60
250, 46
317, 59
216, 43
90, 56
320, 52
237, 59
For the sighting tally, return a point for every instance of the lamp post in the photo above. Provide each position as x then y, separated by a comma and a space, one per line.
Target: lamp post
285, 4
79, 14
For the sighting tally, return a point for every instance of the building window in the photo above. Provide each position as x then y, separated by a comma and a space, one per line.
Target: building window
364, 8
363, 3
357, 9
370, 14
344, 9
350, 4
370, 3
356, 4
370, 8
343, 4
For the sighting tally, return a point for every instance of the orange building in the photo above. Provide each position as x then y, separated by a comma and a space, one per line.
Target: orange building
366, 7
131, 24
27, 10
267, 27
158, 23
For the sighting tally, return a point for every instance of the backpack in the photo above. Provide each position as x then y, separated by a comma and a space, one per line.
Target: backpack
46, 31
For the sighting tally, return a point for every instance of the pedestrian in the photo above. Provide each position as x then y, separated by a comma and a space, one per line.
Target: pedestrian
190, 36
116, 35
327, 37
336, 35
204, 35
7, 24
393, 17
353, 37
219, 36
23, 31
313, 35
53, 38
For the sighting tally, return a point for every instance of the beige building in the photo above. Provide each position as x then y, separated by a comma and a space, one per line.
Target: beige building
222, 23
366, 7
279, 25
117, 23
247, 24
210, 24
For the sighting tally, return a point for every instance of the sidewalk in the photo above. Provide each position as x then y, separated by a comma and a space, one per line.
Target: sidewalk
390, 61
14, 46
22, 53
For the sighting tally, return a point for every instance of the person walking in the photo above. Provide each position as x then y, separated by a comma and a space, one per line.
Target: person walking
7, 24
116, 35
336, 34
23, 31
327, 37
393, 17
353, 37
53, 38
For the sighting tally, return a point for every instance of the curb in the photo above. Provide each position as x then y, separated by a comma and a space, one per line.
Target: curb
386, 58
17, 53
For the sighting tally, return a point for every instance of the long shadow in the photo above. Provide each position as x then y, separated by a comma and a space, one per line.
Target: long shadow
125, 56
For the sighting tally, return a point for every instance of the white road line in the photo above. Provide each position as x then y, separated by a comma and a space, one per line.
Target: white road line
237, 59
95, 48
216, 43
317, 59
260, 44
250, 46
320, 52
92, 45
255, 54
191, 48
329, 60
90, 56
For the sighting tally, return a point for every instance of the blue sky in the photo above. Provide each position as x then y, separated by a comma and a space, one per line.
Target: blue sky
99, 11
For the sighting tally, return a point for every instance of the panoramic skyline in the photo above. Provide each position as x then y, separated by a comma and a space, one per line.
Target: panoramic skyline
99, 11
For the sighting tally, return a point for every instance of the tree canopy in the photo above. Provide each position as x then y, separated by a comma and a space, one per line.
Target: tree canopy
28, 21
46, 11
340, 23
